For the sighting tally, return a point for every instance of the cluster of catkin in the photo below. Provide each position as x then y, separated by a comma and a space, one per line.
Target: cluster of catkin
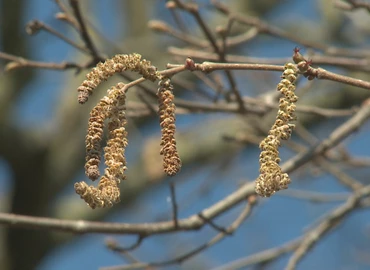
111, 109
271, 178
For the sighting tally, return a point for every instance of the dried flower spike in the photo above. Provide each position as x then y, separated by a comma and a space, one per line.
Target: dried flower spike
94, 137
117, 140
105, 195
271, 178
113, 108
171, 159
117, 64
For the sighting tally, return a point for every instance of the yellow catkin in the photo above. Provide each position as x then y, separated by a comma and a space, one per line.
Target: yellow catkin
271, 178
108, 193
171, 159
117, 64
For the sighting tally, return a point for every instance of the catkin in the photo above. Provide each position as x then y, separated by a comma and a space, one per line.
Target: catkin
117, 64
112, 109
107, 193
117, 139
271, 178
167, 118
94, 138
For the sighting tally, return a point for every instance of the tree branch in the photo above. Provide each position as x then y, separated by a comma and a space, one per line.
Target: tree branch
331, 221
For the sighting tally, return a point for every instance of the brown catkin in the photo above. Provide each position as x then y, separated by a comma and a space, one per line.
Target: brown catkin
117, 138
271, 178
117, 64
107, 193
94, 138
171, 159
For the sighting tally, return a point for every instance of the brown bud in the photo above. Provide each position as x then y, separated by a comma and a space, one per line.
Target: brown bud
33, 27
297, 56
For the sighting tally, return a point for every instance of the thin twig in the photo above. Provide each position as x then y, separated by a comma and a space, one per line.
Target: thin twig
213, 224
361, 64
266, 28
323, 74
350, 5
316, 197
66, 16
123, 252
243, 215
179, 21
331, 221
214, 83
308, 109
338, 135
174, 205
20, 62
261, 257
319, 73
36, 25
253, 107
326, 165
212, 66
113, 245
83, 30
163, 27
151, 107
193, 9
242, 38
193, 222
342, 177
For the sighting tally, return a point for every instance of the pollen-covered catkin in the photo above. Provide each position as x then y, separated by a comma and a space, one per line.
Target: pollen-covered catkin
94, 138
167, 118
107, 193
271, 178
117, 138
117, 64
